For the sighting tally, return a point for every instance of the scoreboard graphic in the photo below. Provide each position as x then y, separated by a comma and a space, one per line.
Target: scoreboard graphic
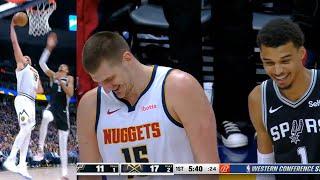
148, 169
97, 169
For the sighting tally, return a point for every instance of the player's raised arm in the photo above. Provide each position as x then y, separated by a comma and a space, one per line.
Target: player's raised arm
188, 104
88, 145
265, 148
51, 44
15, 44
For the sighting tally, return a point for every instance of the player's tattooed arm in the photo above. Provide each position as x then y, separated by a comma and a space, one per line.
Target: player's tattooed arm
88, 145
69, 87
264, 142
16, 47
188, 104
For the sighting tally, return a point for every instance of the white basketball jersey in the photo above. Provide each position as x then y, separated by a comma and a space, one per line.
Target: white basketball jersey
144, 132
27, 81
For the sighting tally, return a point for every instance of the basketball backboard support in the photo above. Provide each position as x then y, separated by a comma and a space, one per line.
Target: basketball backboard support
8, 8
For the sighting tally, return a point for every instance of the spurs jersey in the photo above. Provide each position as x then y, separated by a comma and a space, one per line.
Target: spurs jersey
294, 127
27, 82
144, 132
59, 104
58, 96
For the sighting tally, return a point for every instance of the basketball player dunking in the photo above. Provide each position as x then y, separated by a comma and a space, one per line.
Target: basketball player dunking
28, 84
141, 113
285, 110
61, 91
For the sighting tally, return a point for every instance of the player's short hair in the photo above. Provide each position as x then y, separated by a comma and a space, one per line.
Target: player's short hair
66, 65
107, 46
279, 32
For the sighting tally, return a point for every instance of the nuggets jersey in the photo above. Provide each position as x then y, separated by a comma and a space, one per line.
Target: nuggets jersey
27, 81
144, 132
294, 127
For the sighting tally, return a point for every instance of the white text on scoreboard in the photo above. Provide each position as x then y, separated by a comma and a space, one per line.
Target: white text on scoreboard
196, 169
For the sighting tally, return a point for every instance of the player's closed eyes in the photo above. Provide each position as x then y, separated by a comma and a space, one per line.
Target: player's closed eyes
269, 63
286, 61
108, 80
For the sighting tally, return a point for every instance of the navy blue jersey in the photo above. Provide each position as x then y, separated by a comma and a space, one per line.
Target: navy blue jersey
294, 127
58, 96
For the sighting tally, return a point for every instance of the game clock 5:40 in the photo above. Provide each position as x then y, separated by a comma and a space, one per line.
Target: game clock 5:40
196, 168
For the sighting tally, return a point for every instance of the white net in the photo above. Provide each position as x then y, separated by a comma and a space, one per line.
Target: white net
39, 18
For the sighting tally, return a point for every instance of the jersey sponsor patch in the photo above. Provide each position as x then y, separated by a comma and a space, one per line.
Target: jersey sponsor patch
148, 107
314, 103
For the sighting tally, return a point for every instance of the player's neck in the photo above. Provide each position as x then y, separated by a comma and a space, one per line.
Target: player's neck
142, 78
299, 86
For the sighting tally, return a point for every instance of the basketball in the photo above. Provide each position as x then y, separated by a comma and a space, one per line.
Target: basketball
20, 19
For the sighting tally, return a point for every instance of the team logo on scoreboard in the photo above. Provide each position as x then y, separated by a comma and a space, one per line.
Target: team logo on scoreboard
224, 168
80, 167
133, 168
296, 130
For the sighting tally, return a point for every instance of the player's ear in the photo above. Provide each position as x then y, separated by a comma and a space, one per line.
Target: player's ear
127, 56
302, 52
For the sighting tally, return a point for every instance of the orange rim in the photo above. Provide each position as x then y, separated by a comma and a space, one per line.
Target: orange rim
50, 1
22, 1
17, 1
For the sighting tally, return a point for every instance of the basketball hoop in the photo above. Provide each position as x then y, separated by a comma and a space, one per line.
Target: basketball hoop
39, 17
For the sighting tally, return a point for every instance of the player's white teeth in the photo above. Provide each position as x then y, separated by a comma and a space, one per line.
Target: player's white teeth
281, 77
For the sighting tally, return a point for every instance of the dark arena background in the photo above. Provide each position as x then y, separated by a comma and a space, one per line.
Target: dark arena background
62, 22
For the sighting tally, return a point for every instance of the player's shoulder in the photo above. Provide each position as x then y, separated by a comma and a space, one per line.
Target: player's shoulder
178, 80
21, 66
255, 94
33, 69
70, 77
89, 99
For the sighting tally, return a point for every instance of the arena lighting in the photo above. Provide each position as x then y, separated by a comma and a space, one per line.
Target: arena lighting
72, 23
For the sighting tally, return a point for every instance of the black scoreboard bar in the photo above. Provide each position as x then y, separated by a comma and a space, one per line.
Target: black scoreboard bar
146, 169
97, 169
